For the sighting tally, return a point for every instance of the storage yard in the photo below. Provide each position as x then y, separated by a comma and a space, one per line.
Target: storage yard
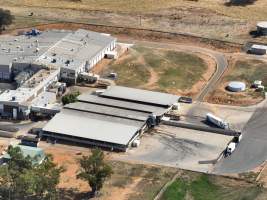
178, 147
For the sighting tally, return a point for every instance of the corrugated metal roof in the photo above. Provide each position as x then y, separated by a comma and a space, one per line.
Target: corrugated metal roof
33, 152
138, 95
94, 126
106, 110
88, 97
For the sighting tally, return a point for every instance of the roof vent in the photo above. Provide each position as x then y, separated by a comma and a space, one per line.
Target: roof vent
13, 98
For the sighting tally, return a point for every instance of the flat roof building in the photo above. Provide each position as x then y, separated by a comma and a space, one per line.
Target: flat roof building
35, 61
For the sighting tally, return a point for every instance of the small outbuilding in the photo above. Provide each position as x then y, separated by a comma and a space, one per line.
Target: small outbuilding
36, 154
258, 49
262, 28
236, 86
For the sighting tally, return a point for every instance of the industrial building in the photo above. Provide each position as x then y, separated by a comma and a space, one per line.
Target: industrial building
112, 119
37, 61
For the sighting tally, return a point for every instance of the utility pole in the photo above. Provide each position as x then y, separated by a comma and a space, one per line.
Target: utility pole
140, 20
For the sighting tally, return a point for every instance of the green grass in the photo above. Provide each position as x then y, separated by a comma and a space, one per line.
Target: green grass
177, 190
152, 179
175, 70
205, 187
130, 72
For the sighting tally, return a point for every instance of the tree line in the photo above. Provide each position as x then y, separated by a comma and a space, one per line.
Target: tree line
23, 179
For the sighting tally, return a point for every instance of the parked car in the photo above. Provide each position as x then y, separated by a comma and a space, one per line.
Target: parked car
185, 100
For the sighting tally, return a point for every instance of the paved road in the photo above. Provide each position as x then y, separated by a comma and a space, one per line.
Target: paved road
219, 58
252, 150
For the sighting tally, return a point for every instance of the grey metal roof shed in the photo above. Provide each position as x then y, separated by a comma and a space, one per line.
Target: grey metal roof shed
141, 96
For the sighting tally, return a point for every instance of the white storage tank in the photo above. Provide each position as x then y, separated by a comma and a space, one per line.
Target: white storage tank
262, 28
236, 86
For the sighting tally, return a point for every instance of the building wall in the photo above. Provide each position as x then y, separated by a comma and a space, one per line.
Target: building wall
98, 57
5, 72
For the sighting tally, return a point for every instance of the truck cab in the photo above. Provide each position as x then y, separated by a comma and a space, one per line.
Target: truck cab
230, 149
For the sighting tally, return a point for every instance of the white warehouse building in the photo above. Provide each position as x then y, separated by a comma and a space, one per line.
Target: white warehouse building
36, 61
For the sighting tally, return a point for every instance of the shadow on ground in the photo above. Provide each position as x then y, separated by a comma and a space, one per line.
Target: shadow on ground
73, 194
240, 2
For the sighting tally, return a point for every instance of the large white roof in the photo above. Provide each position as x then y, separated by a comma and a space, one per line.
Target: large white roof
257, 46
142, 96
93, 127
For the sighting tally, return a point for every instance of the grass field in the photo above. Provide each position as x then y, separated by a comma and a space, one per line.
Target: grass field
245, 70
147, 180
204, 187
159, 70
249, 70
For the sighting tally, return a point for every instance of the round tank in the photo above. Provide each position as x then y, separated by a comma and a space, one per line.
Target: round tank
262, 28
236, 86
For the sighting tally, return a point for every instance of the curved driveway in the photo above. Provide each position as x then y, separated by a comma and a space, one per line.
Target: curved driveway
219, 58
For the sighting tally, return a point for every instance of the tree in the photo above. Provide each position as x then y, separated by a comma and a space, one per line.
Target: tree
70, 98
5, 18
94, 170
21, 179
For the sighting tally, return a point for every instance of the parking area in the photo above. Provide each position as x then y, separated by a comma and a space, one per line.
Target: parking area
237, 117
178, 147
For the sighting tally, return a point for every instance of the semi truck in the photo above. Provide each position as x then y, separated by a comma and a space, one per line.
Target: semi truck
216, 121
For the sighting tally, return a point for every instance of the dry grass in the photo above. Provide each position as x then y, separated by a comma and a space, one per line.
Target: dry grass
205, 18
245, 70
250, 12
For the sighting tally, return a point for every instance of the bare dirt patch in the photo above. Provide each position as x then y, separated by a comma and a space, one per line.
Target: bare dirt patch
128, 181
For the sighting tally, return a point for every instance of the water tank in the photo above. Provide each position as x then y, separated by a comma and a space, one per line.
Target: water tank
262, 28
236, 86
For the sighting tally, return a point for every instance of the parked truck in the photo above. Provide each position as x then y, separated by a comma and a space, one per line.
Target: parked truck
216, 121
230, 149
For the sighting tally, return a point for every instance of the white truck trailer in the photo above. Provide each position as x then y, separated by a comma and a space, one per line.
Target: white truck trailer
216, 121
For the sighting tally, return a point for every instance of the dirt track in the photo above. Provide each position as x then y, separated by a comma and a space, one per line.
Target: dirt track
143, 34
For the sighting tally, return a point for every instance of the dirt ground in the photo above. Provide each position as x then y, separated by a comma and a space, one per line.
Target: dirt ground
248, 73
126, 182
